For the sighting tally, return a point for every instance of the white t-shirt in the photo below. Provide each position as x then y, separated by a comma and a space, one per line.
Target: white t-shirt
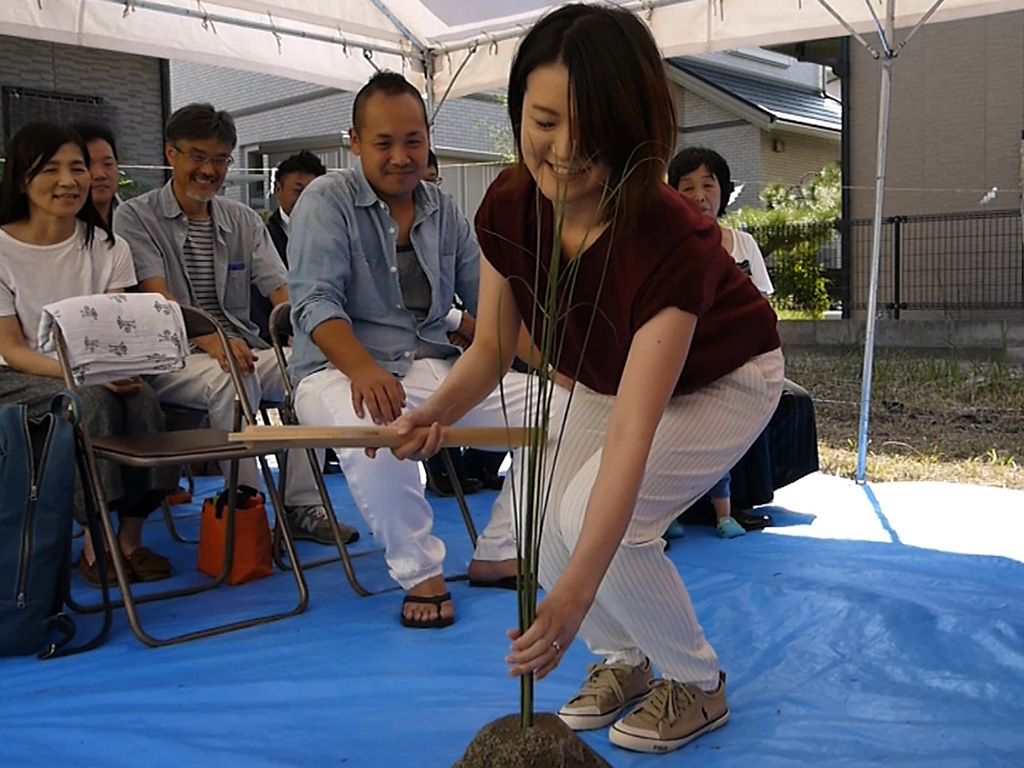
747, 254
32, 276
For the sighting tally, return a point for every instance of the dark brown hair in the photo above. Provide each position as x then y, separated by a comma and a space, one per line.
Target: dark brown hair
28, 153
622, 112
198, 122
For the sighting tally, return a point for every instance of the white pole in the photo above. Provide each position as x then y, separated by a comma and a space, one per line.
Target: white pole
884, 101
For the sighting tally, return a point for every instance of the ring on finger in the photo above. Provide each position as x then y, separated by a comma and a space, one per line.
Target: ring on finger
558, 648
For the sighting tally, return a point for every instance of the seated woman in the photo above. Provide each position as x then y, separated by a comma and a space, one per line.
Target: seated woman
674, 353
788, 448
54, 245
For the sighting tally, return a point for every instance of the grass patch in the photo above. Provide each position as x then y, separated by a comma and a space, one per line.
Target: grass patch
931, 418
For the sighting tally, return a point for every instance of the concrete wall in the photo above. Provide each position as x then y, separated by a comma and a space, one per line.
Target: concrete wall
129, 87
988, 339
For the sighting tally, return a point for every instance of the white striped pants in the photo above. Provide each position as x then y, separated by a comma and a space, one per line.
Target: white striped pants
642, 608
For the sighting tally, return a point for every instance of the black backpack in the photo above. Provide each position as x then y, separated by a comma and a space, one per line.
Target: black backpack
38, 458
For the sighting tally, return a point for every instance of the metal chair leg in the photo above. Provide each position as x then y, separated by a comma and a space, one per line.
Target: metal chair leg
345, 556
460, 496
130, 602
169, 523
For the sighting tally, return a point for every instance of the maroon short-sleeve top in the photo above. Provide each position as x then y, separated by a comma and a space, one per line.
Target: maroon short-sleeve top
672, 258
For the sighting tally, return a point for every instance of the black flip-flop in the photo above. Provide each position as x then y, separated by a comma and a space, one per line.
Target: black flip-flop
435, 600
505, 582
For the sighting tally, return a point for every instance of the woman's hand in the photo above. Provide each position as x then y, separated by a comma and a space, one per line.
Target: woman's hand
539, 650
127, 386
419, 444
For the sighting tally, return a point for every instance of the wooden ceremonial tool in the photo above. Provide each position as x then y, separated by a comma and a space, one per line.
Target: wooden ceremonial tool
377, 437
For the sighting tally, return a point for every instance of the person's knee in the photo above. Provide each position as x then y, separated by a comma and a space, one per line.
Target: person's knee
221, 390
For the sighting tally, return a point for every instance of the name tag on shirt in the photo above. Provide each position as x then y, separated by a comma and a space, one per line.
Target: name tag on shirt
235, 266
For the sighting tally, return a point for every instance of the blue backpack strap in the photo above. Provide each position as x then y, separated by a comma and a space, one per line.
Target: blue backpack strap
67, 404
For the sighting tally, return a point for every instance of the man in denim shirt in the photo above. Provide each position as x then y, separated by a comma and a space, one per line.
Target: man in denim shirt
375, 259
203, 250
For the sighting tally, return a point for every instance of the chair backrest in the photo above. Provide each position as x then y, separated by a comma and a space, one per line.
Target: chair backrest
159, 328
281, 322
280, 326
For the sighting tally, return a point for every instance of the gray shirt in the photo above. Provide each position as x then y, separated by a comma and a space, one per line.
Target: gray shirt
243, 253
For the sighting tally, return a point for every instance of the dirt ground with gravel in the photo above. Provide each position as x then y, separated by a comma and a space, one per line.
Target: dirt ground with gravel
931, 418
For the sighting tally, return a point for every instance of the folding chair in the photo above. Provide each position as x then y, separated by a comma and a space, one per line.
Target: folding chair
280, 326
176, 448
194, 417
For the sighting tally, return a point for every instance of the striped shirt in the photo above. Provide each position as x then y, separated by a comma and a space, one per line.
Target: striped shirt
198, 257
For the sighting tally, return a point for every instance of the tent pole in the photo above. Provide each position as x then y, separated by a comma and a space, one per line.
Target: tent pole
428, 81
888, 60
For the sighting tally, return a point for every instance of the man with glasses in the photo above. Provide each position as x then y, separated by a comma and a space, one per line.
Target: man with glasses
204, 250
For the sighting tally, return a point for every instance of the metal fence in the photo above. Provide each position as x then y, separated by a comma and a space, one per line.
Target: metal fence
952, 262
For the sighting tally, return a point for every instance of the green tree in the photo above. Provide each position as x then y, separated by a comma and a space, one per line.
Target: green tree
793, 225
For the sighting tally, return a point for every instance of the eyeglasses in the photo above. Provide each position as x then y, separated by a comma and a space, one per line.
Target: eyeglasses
199, 159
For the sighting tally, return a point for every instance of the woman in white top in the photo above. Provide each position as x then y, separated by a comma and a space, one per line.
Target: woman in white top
53, 246
703, 175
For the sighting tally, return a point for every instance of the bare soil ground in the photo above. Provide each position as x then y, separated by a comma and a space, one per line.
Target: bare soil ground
931, 418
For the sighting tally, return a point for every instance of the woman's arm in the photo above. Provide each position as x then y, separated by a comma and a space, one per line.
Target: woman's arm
655, 361
656, 358
477, 372
19, 357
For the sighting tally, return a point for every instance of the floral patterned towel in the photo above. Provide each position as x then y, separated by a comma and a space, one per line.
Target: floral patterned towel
113, 336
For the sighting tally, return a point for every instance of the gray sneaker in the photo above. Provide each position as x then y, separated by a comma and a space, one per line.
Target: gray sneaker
312, 524
671, 715
608, 689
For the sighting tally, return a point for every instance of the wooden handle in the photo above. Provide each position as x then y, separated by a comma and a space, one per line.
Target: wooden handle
376, 437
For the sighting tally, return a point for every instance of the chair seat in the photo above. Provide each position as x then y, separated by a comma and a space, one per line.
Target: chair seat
184, 446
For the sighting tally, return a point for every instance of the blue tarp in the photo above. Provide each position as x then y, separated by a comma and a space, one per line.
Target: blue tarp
879, 625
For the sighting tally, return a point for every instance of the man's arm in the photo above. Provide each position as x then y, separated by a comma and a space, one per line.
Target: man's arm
209, 343
279, 295
318, 281
268, 271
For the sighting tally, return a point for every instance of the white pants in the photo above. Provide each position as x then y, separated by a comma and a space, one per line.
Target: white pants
389, 492
202, 385
642, 608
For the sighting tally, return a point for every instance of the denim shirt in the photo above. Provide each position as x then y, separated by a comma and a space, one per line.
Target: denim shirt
343, 264
243, 253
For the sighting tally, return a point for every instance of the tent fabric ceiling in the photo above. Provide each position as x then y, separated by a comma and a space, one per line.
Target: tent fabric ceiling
340, 43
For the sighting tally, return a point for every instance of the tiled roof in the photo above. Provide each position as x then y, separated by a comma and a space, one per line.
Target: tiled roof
790, 103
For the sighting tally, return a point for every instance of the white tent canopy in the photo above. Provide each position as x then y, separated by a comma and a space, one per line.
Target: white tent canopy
456, 46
